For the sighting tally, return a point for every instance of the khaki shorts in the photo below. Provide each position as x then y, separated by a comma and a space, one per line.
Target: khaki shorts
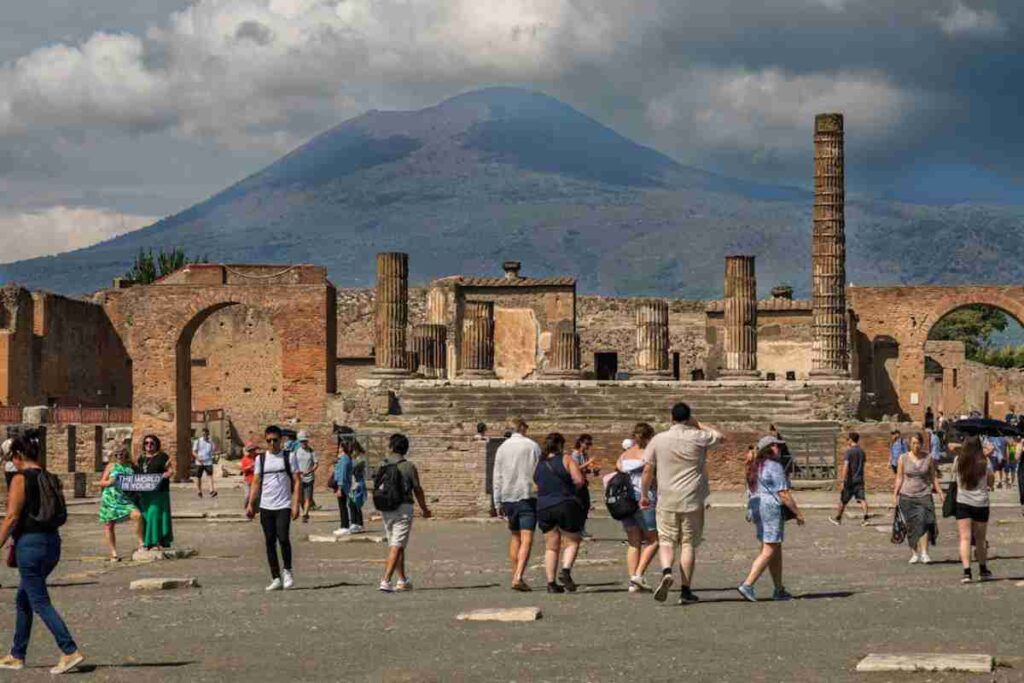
680, 528
398, 525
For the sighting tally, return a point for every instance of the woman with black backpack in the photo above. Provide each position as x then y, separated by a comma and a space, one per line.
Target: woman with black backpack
641, 527
35, 510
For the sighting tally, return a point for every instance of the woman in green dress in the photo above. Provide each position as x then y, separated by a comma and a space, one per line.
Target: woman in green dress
115, 505
156, 505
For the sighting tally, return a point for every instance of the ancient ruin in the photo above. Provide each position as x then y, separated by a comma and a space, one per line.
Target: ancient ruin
249, 345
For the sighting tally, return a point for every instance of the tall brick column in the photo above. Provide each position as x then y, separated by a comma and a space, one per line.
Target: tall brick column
652, 340
478, 340
430, 341
392, 314
740, 317
828, 263
565, 352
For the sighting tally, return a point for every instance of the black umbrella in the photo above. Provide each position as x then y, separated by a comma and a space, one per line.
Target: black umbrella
980, 426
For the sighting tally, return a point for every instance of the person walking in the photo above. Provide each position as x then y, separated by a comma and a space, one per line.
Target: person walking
581, 456
559, 513
852, 475
36, 551
917, 477
897, 447
309, 463
515, 498
115, 505
929, 419
642, 528
9, 469
343, 487
974, 480
156, 504
678, 458
248, 467
398, 480
770, 497
933, 445
276, 491
202, 462
995, 448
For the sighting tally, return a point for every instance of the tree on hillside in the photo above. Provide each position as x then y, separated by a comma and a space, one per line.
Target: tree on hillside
972, 325
148, 268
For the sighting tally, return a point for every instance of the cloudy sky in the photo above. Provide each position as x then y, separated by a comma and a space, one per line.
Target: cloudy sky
114, 114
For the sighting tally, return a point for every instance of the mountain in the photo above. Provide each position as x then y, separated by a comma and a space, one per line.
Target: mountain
504, 173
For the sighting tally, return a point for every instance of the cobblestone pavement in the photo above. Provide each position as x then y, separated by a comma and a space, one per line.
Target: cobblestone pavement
856, 595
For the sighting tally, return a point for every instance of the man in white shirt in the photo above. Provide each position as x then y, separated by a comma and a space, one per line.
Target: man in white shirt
202, 462
276, 490
515, 497
309, 463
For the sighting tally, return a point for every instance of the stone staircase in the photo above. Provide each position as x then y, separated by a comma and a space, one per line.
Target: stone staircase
602, 402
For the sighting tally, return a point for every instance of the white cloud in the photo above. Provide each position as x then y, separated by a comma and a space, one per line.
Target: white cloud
235, 69
962, 20
59, 229
770, 110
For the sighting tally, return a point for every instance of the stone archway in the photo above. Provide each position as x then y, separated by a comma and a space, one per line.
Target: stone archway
158, 322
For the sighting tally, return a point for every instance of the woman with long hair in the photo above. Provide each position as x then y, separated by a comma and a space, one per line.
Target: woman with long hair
642, 528
36, 552
156, 505
350, 489
559, 513
974, 480
115, 505
769, 488
581, 456
917, 478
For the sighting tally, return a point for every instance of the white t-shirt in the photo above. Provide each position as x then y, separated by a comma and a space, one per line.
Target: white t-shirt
203, 451
276, 493
306, 460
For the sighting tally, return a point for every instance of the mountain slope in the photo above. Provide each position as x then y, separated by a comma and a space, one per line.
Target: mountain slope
505, 173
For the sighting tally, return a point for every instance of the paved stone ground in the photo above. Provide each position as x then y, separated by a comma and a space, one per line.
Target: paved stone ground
857, 595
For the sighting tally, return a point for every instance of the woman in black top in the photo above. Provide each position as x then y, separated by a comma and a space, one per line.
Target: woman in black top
559, 513
156, 505
36, 551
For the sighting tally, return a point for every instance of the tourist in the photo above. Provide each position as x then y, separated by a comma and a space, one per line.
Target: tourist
929, 419
559, 513
917, 477
248, 466
1012, 456
115, 505
481, 432
276, 489
581, 456
357, 496
349, 487
9, 468
677, 457
309, 463
940, 422
398, 521
852, 475
974, 480
995, 446
897, 447
202, 462
934, 445
36, 548
769, 494
156, 504
642, 528
515, 498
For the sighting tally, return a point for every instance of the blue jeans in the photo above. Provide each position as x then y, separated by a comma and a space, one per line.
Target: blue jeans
38, 555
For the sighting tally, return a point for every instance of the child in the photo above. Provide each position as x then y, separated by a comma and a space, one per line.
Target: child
248, 470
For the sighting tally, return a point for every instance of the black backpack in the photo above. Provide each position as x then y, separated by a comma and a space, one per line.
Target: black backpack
53, 511
388, 488
619, 497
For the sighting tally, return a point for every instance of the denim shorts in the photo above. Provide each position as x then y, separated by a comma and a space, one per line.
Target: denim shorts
521, 515
646, 520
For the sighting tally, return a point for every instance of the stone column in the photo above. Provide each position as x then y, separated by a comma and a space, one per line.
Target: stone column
652, 340
477, 351
830, 356
740, 317
565, 352
430, 341
392, 314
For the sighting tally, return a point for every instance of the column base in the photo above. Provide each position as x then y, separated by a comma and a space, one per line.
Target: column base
478, 374
561, 374
391, 373
653, 376
828, 373
740, 374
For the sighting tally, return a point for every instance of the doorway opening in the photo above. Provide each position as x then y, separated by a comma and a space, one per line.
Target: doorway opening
606, 365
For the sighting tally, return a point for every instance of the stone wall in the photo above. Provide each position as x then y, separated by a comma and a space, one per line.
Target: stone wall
784, 338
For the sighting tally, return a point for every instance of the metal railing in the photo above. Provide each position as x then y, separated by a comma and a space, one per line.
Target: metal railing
86, 415
10, 414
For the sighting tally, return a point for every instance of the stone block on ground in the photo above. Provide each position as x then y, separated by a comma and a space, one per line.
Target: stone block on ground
163, 554
510, 614
156, 584
353, 538
926, 662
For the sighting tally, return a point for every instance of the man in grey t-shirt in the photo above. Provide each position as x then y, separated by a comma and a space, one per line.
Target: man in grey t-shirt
308, 463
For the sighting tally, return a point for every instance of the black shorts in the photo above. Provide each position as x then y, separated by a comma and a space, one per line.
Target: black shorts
200, 470
567, 516
975, 514
851, 491
521, 515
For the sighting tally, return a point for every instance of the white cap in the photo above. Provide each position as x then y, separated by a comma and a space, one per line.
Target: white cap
627, 444
303, 436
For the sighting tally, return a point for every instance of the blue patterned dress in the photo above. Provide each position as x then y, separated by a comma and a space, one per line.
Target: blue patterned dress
765, 505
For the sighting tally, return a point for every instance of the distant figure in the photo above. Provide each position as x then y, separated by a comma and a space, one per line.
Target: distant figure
481, 431
852, 476
940, 422
929, 418
115, 505
516, 499
9, 469
897, 447
202, 462
934, 444
974, 480
398, 481
581, 456
309, 463
349, 483
995, 449
248, 466
642, 528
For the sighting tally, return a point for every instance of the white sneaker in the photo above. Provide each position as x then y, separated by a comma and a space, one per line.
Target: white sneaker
275, 585
289, 580
342, 532
640, 583
914, 559
402, 586
387, 587
355, 529
634, 589
925, 559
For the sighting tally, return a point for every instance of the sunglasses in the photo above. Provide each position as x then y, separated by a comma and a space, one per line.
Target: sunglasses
273, 440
